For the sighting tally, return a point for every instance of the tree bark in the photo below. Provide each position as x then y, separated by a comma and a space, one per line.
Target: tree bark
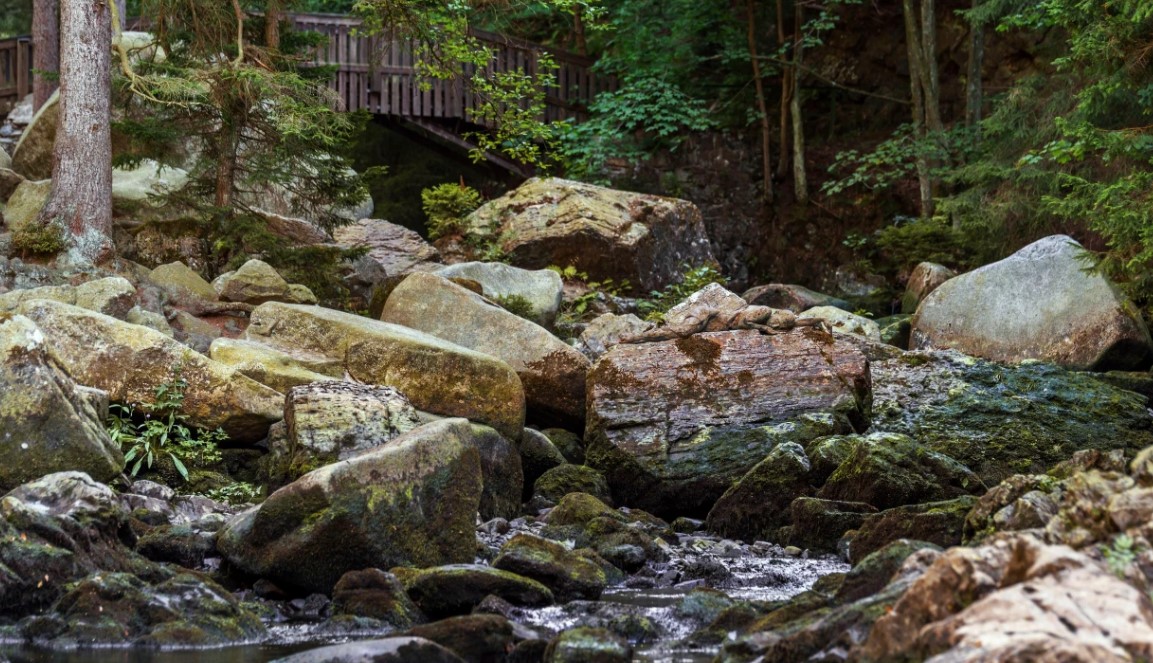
916, 87
973, 89
45, 48
800, 179
80, 200
787, 80
272, 14
762, 104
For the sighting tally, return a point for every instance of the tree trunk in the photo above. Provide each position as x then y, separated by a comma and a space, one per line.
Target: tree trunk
800, 179
973, 89
45, 48
932, 82
916, 88
762, 105
787, 80
80, 200
272, 15
580, 41
122, 7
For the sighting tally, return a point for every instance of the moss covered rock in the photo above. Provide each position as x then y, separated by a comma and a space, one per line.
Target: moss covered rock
564, 479
375, 594
875, 570
540, 288
475, 638
538, 455
272, 367
413, 502
758, 504
455, 589
588, 645
436, 375
568, 575
939, 523
568, 443
819, 524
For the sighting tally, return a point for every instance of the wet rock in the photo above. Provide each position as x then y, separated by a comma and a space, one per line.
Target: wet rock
475, 638
875, 570
501, 470
553, 373
437, 376
758, 504
939, 523
607, 330
999, 420
538, 455
588, 645
643, 239
402, 649
255, 282
376, 594
412, 502
130, 362
271, 367
819, 524
179, 544
793, 298
456, 589
48, 424
673, 424
540, 289
845, 322
926, 277
1039, 303
888, 470
559, 481
569, 576
1023, 501
568, 443
184, 611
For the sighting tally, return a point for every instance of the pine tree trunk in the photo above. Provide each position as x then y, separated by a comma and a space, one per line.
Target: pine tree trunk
787, 79
45, 48
800, 179
973, 89
272, 15
762, 104
916, 80
80, 200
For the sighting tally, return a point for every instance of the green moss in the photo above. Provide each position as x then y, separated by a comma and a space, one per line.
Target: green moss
39, 240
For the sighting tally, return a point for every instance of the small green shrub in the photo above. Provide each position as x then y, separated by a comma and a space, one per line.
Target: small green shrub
240, 492
576, 310
38, 240
694, 278
1120, 553
446, 205
518, 305
902, 246
163, 432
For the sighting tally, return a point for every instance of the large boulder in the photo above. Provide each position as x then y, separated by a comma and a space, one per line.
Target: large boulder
181, 283
673, 424
412, 502
643, 239
569, 575
795, 298
255, 282
331, 421
392, 249
32, 157
1039, 303
25, 203
436, 375
926, 277
455, 589
272, 367
130, 361
939, 523
540, 289
758, 504
552, 372
48, 424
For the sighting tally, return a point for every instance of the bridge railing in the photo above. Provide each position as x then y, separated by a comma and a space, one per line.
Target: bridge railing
15, 71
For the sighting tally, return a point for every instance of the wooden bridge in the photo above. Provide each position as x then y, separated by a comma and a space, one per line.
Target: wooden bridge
379, 74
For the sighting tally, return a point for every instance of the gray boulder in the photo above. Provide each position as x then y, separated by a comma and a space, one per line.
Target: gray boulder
926, 277
540, 288
1039, 303
255, 282
412, 502
400, 649
331, 421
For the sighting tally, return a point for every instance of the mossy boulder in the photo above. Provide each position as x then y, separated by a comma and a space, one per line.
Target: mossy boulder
130, 361
437, 376
758, 504
875, 570
568, 575
538, 455
568, 443
564, 479
939, 523
1002, 420
501, 470
625, 538
375, 594
588, 645
553, 372
475, 638
272, 367
25, 203
540, 289
819, 524
177, 544
673, 424
47, 423
889, 469
255, 282
399, 649
412, 502
455, 589
335, 420
579, 509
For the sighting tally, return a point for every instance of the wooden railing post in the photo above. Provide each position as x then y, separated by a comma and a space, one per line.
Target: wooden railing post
23, 68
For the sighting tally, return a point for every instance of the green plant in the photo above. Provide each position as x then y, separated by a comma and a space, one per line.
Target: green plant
446, 206
1120, 553
518, 305
577, 308
162, 431
240, 492
693, 279
39, 240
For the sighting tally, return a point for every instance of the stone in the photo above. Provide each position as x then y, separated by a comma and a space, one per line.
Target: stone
758, 504
643, 239
540, 288
564, 479
696, 310
820, 524
939, 523
588, 645
569, 576
146, 180
255, 282
568, 443
1039, 303
475, 638
552, 372
673, 424
537, 455
5, 161
130, 362
272, 367
873, 572
392, 249
501, 469
926, 277
607, 330
182, 284
65, 294
376, 594
114, 296
412, 502
889, 469
793, 298
298, 232
895, 330
300, 294
46, 424
32, 157
331, 421
9, 180
455, 589
845, 322
400, 649
25, 203
437, 376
